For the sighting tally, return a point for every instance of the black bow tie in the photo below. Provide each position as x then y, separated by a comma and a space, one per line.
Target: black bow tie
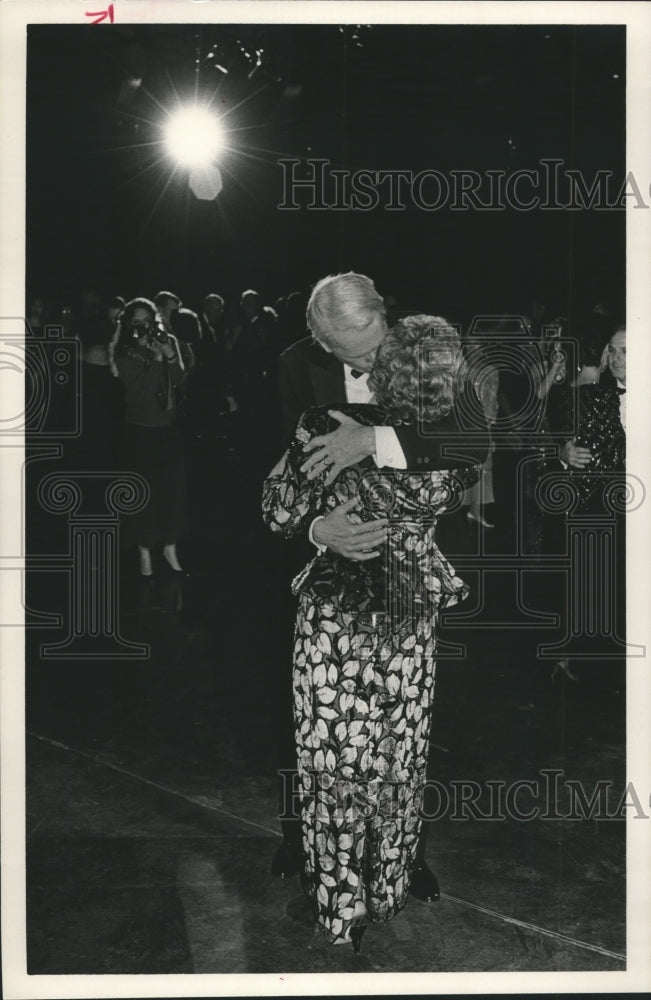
356, 374
620, 390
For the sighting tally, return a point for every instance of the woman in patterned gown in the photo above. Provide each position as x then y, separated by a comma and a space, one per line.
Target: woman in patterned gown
363, 674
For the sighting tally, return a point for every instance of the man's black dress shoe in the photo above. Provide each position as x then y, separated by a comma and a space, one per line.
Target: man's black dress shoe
424, 885
287, 861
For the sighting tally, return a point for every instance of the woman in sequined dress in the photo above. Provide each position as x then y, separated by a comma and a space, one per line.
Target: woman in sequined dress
365, 639
588, 410
590, 413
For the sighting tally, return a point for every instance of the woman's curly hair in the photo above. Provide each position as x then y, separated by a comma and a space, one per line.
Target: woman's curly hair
419, 369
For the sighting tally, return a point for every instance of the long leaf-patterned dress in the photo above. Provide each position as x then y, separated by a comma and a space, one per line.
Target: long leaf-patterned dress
363, 673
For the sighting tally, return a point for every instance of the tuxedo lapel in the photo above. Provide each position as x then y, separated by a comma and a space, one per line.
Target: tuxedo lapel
326, 375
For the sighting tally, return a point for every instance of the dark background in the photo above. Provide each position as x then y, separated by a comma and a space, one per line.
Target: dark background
103, 208
144, 777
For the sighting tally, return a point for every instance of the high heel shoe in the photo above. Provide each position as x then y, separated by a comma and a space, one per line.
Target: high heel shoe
563, 667
424, 884
177, 574
288, 861
479, 519
356, 935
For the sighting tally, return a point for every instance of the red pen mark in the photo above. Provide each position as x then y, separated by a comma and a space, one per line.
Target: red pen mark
101, 15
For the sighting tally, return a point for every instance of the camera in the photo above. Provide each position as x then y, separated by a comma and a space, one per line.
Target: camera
47, 402
149, 329
140, 329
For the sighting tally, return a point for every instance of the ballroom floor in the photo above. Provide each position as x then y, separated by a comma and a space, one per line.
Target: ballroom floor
151, 796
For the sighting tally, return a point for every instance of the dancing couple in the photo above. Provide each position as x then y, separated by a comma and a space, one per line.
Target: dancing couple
367, 479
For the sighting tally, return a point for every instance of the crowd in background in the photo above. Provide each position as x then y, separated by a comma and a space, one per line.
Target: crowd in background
229, 350
211, 375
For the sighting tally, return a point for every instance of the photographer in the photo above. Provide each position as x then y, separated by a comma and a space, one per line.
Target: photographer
148, 361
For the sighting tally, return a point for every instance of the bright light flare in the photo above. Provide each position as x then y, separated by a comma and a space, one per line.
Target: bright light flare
194, 136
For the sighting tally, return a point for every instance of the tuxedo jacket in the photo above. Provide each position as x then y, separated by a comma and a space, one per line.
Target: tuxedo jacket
310, 376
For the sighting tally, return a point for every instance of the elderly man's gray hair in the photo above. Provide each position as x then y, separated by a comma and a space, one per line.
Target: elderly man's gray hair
343, 303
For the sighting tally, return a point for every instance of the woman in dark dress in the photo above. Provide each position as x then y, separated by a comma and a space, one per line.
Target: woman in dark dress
365, 639
148, 362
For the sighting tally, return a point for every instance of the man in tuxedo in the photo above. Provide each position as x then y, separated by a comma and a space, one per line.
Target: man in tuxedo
347, 318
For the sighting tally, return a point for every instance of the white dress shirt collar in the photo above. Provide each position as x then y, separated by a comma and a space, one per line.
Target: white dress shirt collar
357, 390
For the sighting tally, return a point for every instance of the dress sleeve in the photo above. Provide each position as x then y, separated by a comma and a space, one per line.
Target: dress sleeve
291, 501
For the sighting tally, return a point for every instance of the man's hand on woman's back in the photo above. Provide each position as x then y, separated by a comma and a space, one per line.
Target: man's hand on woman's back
337, 532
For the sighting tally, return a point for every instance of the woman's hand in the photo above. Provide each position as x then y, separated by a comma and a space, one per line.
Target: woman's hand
573, 454
154, 348
161, 348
